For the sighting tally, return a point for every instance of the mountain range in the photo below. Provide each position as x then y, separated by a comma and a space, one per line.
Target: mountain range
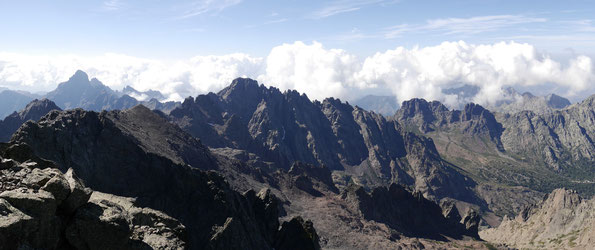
252, 167
512, 101
90, 94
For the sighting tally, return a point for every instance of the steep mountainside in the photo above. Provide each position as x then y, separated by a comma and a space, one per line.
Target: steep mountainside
503, 151
562, 140
33, 111
360, 146
562, 220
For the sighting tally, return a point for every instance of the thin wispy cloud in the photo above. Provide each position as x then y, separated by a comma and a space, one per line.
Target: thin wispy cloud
280, 20
112, 5
467, 26
274, 21
343, 6
197, 8
583, 25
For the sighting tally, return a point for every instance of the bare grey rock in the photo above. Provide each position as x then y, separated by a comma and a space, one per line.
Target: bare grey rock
79, 194
45, 209
563, 220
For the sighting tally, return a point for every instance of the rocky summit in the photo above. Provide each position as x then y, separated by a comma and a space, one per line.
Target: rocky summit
33, 111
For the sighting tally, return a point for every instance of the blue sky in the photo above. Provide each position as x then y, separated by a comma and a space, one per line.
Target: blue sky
337, 48
178, 29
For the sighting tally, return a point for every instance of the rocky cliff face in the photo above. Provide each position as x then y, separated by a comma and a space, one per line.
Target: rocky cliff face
562, 220
137, 153
43, 208
33, 111
473, 119
562, 140
287, 127
507, 152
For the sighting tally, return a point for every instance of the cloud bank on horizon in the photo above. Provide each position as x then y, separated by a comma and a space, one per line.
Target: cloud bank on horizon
322, 72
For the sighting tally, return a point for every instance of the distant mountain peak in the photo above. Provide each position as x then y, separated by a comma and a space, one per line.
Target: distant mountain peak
243, 82
556, 101
79, 76
33, 111
39, 105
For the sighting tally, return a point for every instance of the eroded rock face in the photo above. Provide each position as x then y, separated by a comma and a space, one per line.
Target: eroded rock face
473, 119
562, 220
287, 127
43, 208
562, 140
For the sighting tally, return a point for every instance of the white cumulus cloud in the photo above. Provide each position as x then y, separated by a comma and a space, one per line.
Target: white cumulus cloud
323, 72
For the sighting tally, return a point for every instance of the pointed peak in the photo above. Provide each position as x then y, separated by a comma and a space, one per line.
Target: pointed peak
473, 109
38, 108
556, 101
41, 102
79, 75
242, 84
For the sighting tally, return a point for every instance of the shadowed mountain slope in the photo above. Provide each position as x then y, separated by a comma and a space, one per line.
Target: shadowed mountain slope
136, 153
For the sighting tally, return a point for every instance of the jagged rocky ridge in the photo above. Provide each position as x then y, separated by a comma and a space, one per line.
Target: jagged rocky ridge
563, 220
91, 94
557, 144
33, 111
472, 120
40, 207
288, 127
137, 153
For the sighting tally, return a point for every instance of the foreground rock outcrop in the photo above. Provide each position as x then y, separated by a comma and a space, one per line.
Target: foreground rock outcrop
563, 220
42, 208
